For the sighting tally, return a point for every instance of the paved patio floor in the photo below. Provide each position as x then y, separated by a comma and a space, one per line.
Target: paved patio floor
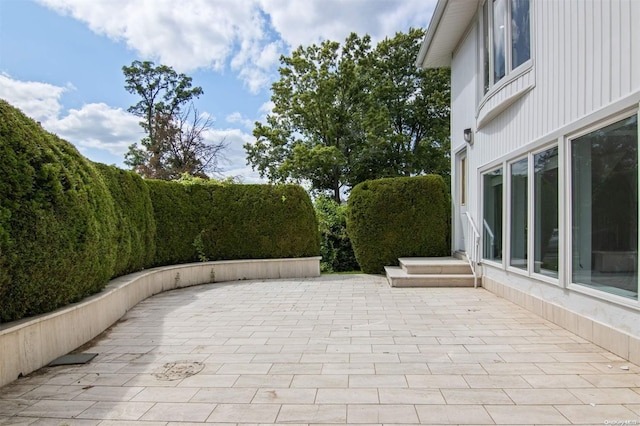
336, 349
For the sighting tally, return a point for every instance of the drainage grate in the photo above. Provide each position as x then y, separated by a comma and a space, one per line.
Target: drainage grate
71, 359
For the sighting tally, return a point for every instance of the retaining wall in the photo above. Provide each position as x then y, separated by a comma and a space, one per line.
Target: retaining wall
29, 344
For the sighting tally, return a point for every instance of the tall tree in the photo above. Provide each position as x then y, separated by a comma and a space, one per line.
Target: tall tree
408, 114
344, 114
311, 134
175, 132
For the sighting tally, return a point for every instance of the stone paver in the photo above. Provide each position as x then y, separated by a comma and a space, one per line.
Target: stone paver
340, 349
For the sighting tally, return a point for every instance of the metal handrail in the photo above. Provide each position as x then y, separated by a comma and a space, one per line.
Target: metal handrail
472, 247
492, 241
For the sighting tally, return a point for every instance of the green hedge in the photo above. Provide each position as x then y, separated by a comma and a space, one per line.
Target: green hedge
181, 213
57, 221
67, 226
262, 221
398, 217
215, 222
135, 222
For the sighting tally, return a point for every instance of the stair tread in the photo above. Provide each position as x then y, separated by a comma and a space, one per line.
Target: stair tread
397, 271
431, 261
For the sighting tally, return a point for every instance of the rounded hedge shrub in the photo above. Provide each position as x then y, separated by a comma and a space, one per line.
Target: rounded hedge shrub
212, 221
135, 226
57, 221
261, 221
398, 217
182, 213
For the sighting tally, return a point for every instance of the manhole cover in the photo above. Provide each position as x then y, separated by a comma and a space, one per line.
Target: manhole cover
178, 370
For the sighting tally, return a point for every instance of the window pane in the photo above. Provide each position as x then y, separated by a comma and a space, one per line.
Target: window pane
485, 28
520, 35
546, 212
492, 225
499, 31
604, 176
519, 215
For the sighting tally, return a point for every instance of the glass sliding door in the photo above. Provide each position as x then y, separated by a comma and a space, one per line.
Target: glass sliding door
545, 202
492, 215
519, 202
604, 205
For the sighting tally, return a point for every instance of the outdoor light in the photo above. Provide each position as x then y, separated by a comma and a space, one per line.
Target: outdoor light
468, 137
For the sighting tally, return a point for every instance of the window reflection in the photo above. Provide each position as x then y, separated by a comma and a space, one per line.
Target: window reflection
499, 31
492, 223
520, 33
604, 176
546, 212
519, 214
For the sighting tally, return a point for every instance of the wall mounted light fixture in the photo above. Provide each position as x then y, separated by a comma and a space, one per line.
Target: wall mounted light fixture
468, 136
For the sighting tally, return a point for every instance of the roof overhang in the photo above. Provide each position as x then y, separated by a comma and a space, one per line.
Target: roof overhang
448, 25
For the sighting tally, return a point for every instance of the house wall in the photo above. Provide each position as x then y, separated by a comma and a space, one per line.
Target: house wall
585, 70
577, 69
463, 100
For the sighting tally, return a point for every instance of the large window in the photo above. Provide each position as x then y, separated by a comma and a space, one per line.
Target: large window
545, 202
506, 38
519, 214
604, 205
492, 218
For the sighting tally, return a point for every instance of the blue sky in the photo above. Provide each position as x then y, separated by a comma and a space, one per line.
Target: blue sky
61, 60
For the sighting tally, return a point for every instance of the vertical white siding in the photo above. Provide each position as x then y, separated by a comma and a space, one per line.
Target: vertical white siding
464, 90
586, 56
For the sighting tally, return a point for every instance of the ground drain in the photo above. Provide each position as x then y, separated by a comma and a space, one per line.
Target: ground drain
72, 359
178, 370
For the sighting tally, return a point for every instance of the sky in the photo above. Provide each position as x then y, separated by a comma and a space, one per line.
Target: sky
61, 60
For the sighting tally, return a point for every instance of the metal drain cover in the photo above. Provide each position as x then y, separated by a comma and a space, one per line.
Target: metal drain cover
71, 359
178, 370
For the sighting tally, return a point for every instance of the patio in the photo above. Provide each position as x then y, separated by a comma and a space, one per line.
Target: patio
334, 349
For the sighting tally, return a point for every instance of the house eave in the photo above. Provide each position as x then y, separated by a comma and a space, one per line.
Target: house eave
449, 22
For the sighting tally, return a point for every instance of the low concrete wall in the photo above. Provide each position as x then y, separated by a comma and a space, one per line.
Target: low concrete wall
32, 343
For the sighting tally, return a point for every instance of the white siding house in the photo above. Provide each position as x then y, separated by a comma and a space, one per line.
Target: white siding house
546, 94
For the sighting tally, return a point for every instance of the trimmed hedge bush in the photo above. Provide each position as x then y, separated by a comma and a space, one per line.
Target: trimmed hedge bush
215, 222
398, 217
261, 221
67, 226
57, 221
181, 213
135, 223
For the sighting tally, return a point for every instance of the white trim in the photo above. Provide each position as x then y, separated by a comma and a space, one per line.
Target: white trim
438, 12
627, 103
603, 295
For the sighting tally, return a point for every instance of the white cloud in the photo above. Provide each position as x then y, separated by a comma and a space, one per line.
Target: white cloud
40, 101
311, 21
185, 35
247, 35
266, 109
98, 126
93, 126
235, 155
237, 117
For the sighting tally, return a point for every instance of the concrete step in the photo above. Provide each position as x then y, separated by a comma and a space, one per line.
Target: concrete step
398, 277
434, 265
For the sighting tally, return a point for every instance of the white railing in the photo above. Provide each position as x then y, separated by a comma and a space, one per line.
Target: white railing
472, 246
489, 243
